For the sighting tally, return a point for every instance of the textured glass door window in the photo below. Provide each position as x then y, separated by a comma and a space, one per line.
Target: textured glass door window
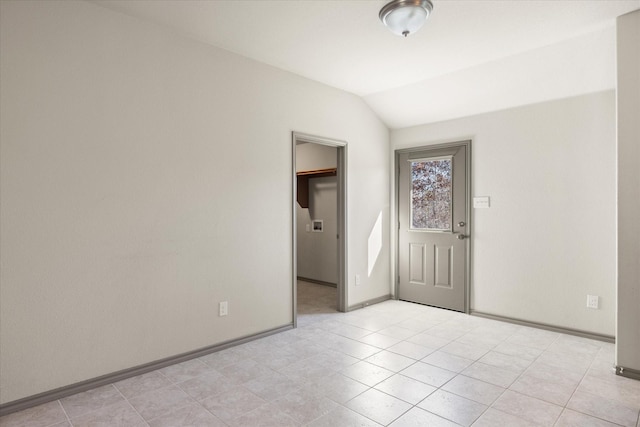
431, 194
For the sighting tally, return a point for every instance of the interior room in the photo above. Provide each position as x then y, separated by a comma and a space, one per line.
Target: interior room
316, 205
319, 213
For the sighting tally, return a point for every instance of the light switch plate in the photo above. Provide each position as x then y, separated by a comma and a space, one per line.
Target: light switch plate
481, 202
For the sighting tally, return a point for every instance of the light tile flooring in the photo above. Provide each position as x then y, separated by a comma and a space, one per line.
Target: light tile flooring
393, 363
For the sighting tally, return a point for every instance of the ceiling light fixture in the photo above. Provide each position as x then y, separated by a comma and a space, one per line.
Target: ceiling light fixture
404, 17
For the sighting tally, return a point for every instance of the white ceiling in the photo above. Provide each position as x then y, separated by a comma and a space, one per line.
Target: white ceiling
343, 44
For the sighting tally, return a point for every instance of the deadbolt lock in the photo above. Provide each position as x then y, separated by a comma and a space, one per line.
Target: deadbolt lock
462, 224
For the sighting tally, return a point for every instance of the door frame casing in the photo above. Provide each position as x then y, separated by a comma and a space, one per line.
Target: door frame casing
341, 148
468, 213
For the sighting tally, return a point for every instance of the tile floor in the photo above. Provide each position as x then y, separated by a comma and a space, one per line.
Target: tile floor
394, 363
315, 299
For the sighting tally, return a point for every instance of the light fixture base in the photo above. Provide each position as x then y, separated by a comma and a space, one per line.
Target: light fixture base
404, 17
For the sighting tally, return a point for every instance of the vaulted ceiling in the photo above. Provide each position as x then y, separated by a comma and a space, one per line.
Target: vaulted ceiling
470, 57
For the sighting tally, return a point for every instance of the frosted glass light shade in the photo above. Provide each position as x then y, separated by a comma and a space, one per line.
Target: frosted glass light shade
404, 17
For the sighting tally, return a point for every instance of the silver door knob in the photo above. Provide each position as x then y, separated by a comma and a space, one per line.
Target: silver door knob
461, 236
461, 224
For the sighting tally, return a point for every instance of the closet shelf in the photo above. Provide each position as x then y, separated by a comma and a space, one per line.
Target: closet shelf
303, 183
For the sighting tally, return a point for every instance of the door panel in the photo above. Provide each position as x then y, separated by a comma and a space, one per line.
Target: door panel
433, 224
444, 266
417, 264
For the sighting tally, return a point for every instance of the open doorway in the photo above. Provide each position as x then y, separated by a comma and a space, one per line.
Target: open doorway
319, 227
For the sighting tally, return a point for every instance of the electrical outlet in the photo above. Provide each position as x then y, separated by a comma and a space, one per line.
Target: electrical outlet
357, 279
592, 301
224, 308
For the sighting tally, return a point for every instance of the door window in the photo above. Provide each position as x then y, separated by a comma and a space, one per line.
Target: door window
431, 194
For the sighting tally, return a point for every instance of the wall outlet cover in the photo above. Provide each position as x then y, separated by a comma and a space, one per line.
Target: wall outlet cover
224, 308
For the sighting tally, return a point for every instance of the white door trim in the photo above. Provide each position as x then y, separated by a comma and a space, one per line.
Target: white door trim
469, 214
298, 137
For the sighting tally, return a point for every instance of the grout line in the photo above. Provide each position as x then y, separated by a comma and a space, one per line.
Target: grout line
65, 412
576, 389
129, 403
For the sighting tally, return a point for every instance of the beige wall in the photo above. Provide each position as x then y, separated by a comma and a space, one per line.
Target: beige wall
317, 255
315, 156
628, 322
548, 239
144, 178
